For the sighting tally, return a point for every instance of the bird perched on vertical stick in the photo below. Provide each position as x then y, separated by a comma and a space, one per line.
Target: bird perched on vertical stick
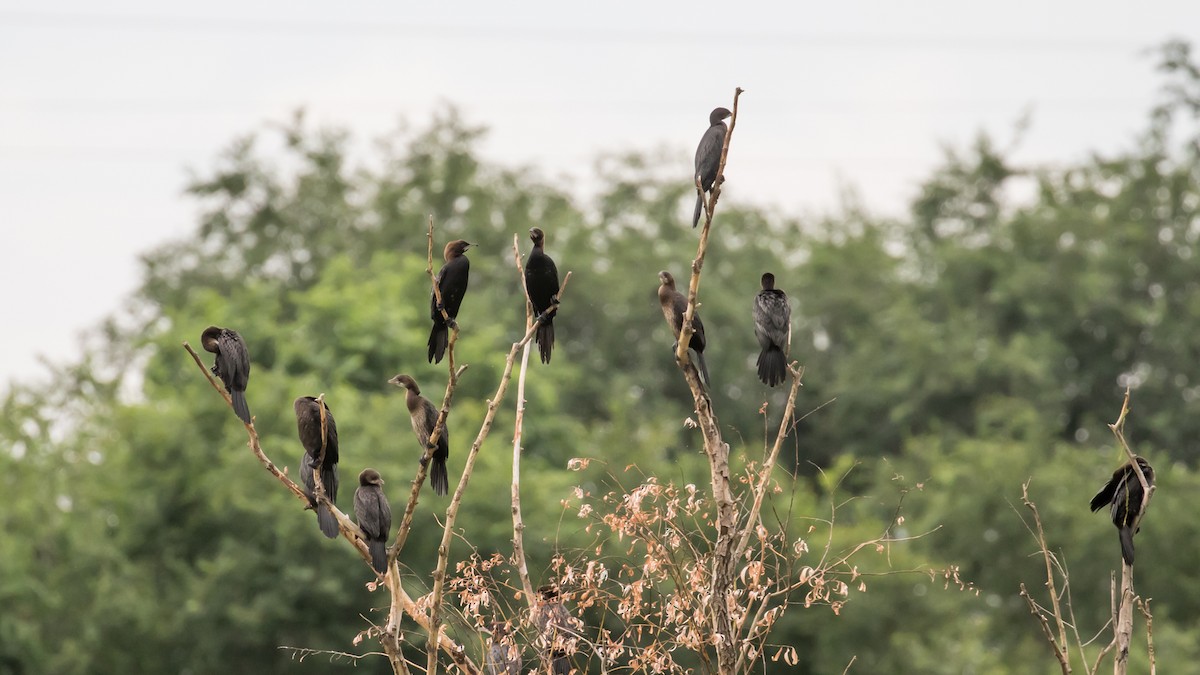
308, 425
374, 516
424, 417
452, 284
503, 657
708, 158
554, 625
773, 328
541, 283
1124, 496
232, 365
674, 306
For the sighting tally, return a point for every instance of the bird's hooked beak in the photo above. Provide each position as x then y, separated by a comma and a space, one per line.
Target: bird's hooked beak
395, 381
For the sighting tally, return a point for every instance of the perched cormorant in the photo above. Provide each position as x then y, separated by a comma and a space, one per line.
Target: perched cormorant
541, 283
232, 365
773, 328
674, 306
708, 157
374, 516
452, 282
424, 416
308, 425
554, 625
504, 657
1124, 496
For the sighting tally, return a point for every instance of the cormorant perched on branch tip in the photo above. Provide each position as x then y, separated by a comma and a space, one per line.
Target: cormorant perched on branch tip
1123, 494
708, 158
541, 283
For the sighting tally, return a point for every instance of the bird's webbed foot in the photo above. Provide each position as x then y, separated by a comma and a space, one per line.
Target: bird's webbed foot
451, 324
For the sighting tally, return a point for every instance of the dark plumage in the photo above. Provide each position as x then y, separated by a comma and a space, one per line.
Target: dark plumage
1124, 496
374, 516
554, 625
232, 365
541, 283
452, 282
674, 306
424, 417
308, 425
503, 657
708, 157
773, 328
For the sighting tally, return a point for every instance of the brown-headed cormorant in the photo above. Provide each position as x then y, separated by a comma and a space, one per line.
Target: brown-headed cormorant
674, 306
424, 416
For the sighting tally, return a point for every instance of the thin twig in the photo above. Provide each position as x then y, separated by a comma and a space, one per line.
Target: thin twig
1059, 651
518, 425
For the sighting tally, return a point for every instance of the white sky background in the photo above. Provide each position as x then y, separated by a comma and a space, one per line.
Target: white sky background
105, 106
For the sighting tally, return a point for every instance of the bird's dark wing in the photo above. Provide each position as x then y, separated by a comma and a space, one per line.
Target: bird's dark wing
452, 281
369, 513
1105, 496
233, 360
708, 155
541, 280
772, 319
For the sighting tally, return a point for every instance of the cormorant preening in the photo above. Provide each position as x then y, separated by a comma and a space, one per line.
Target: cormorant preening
1124, 496
674, 306
773, 328
232, 365
374, 516
308, 425
708, 157
503, 657
541, 283
554, 625
452, 282
424, 416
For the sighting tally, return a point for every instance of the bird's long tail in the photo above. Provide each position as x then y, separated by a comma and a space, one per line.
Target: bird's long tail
772, 366
378, 555
438, 338
699, 208
1127, 545
325, 518
545, 338
438, 478
698, 359
327, 522
239, 405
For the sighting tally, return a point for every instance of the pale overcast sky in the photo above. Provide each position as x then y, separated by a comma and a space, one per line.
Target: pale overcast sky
105, 106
